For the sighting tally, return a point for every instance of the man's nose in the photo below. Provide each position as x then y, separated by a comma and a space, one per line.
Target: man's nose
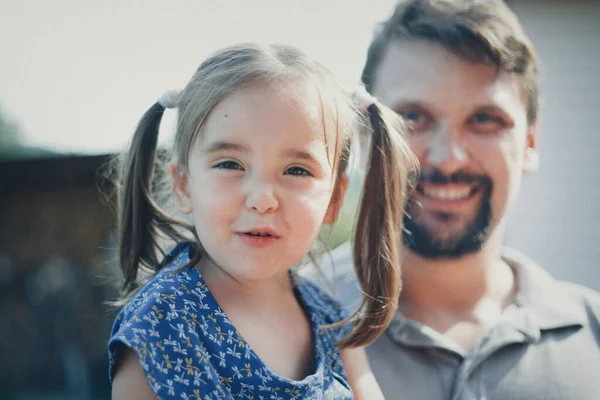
446, 150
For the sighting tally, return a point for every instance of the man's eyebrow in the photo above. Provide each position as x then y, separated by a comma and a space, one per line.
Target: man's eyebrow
495, 109
220, 146
489, 107
407, 103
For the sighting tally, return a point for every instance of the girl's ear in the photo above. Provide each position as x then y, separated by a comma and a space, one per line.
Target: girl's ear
180, 189
335, 206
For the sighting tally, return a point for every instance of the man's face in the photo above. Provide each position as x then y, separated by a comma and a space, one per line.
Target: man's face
469, 130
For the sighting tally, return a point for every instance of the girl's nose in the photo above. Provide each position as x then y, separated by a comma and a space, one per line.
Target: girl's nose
260, 197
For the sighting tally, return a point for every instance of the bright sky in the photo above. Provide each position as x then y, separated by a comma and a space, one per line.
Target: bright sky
78, 74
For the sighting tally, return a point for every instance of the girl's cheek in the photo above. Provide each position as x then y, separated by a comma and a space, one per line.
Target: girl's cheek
314, 207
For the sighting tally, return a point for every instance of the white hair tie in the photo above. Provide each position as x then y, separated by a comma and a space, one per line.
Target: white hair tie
169, 99
363, 99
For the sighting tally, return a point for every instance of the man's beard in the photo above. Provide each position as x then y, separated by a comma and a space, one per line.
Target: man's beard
421, 240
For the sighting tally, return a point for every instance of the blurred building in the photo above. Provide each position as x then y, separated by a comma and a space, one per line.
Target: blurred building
55, 271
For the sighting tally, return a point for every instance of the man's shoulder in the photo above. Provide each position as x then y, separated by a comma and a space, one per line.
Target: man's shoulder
333, 272
317, 297
330, 265
544, 291
584, 296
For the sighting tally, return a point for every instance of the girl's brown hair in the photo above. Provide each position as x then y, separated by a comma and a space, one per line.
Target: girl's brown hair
145, 225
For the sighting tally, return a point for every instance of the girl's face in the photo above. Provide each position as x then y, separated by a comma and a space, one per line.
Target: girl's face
260, 183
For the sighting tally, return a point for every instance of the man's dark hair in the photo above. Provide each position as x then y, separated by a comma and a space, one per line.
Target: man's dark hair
479, 31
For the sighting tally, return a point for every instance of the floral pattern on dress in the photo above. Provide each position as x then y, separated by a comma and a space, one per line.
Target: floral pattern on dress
189, 349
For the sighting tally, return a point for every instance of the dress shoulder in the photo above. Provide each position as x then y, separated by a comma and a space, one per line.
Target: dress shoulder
162, 324
326, 309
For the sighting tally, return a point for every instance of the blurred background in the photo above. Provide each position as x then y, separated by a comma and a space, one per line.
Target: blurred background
75, 77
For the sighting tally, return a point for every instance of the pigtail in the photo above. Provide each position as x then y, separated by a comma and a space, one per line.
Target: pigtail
140, 217
378, 233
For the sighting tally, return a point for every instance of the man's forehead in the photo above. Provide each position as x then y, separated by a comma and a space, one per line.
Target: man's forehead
424, 72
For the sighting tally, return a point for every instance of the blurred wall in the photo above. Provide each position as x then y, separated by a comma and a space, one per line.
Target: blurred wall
556, 220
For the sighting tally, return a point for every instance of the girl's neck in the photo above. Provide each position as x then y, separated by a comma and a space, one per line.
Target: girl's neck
268, 316
219, 280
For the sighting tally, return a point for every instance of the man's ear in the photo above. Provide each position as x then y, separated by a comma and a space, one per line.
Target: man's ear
335, 205
532, 158
180, 189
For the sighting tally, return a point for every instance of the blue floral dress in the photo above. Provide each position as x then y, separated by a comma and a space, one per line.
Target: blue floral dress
189, 349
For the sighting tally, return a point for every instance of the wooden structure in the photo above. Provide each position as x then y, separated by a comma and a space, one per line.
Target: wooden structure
55, 275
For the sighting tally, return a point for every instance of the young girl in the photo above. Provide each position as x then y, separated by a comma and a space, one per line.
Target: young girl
262, 144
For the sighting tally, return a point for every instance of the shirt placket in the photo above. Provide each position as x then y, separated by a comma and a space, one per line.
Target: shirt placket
518, 330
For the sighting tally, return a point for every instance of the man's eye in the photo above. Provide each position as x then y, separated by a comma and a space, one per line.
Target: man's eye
228, 165
413, 116
297, 171
485, 118
416, 121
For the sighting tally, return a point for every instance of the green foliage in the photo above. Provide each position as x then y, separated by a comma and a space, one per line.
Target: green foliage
9, 135
11, 141
332, 236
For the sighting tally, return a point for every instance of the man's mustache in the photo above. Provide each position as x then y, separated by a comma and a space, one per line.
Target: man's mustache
435, 176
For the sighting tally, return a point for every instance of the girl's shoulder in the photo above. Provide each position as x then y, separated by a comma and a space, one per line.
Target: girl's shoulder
163, 314
166, 325
174, 286
175, 282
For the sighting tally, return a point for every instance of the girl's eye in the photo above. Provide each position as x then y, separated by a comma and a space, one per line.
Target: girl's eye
297, 171
229, 165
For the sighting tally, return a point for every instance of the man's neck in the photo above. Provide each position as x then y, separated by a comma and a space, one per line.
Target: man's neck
457, 285
458, 298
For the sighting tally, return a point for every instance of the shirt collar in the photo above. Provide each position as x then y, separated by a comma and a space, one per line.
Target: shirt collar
545, 303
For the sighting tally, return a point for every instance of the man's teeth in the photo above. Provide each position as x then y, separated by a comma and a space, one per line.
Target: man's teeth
258, 234
447, 194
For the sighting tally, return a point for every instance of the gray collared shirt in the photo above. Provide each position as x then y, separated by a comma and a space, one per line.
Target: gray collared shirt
546, 345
